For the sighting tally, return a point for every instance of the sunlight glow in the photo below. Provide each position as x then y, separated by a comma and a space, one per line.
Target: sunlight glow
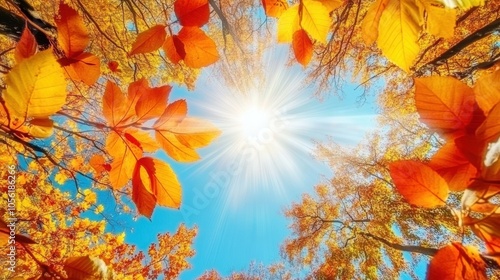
253, 120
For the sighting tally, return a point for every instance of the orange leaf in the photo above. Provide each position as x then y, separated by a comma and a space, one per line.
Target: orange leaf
445, 104
125, 150
72, 34
487, 90
492, 242
173, 114
98, 163
200, 50
302, 47
152, 103
26, 46
489, 131
174, 49
192, 12
5, 231
274, 8
149, 40
453, 166
114, 104
142, 193
418, 183
472, 148
84, 67
456, 261
162, 183
181, 140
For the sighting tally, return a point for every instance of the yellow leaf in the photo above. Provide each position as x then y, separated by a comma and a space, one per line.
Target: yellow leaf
440, 21
315, 20
331, 5
398, 32
288, 23
369, 26
35, 87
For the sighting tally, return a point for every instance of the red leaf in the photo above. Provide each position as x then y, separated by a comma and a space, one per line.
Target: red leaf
419, 184
149, 40
174, 49
192, 12
302, 47
445, 104
489, 131
26, 46
113, 66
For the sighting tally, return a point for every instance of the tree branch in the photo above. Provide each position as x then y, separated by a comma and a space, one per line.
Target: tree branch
405, 248
479, 34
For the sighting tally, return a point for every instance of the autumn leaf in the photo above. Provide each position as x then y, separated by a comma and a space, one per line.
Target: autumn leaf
26, 47
453, 166
489, 131
193, 46
149, 40
155, 182
72, 34
35, 87
126, 150
84, 67
440, 21
192, 12
180, 136
98, 163
398, 32
302, 47
487, 90
331, 5
315, 20
113, 66
274, 8
456, 261
445, 104
41, 128
86, 268
369, 26
419, 184
311, 16
152, 103
113, 104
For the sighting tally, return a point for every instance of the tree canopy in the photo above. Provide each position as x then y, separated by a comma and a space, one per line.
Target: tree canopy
84, 93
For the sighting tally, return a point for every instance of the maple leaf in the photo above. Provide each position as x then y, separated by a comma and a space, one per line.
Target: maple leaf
149, 40
274, 8
192, 12
26, 46
72, 34
444, 103
35, 87
419, 184
302, 47
155, 182
456, 261
398, 32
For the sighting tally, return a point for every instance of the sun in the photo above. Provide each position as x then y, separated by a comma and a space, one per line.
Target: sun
253, 120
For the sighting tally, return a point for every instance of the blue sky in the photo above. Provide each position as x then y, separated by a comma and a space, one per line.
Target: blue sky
238, 204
